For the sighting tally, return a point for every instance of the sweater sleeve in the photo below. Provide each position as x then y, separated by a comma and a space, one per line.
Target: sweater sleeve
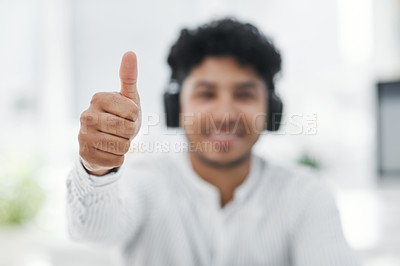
318, 236
107, 209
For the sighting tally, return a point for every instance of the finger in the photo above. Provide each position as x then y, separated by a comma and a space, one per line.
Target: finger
115, 103
110, 143
101, 159
107, 159
128, 76
112, 124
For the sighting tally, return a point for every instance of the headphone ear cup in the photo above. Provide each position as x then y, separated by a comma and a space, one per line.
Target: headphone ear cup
275, 108
171, 105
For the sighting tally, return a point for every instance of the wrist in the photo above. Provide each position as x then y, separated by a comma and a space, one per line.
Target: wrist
97, 171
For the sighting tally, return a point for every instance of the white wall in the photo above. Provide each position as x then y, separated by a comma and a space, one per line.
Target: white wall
387, 39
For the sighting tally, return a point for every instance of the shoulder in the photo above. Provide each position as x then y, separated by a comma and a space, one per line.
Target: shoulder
296, 193
288, 175
295, 184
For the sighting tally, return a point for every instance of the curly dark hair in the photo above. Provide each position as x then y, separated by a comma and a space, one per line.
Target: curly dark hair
225, 37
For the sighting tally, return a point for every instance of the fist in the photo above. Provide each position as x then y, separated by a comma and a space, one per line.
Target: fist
110, 123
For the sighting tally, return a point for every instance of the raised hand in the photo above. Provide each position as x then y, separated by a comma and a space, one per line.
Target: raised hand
110, 123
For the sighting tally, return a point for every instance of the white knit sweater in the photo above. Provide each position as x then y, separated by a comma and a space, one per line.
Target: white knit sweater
161, 213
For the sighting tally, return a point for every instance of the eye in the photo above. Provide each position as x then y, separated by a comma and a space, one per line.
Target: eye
206, 94
245, 95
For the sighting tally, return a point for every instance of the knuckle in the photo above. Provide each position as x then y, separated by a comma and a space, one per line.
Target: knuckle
96, 98
87, 120
82, 136
85, 117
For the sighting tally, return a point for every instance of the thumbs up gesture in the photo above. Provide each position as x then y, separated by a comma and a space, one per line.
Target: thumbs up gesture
112, 120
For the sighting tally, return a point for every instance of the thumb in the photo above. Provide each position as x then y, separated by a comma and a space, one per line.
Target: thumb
128, 76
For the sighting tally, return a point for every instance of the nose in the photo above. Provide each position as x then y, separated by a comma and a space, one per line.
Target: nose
225, 111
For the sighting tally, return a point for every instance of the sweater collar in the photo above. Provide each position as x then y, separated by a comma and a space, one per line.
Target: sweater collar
208, 192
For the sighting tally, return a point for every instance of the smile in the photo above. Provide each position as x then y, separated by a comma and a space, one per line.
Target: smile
223, 137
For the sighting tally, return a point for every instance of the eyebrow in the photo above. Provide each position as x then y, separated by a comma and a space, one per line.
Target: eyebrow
242, 85
247, 85
206, 84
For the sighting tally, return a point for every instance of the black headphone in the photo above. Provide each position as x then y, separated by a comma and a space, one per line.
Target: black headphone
172, 107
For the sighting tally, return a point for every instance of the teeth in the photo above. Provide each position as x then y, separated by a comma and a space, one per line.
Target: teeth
224, 135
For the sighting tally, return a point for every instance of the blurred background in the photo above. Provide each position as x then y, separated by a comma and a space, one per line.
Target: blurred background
340, 84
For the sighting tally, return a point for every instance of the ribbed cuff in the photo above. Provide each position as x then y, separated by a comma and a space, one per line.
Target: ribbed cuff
87, 180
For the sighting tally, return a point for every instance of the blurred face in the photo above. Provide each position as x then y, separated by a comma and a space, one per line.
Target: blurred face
223, 110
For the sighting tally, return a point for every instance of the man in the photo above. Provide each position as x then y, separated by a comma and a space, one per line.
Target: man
217, 203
